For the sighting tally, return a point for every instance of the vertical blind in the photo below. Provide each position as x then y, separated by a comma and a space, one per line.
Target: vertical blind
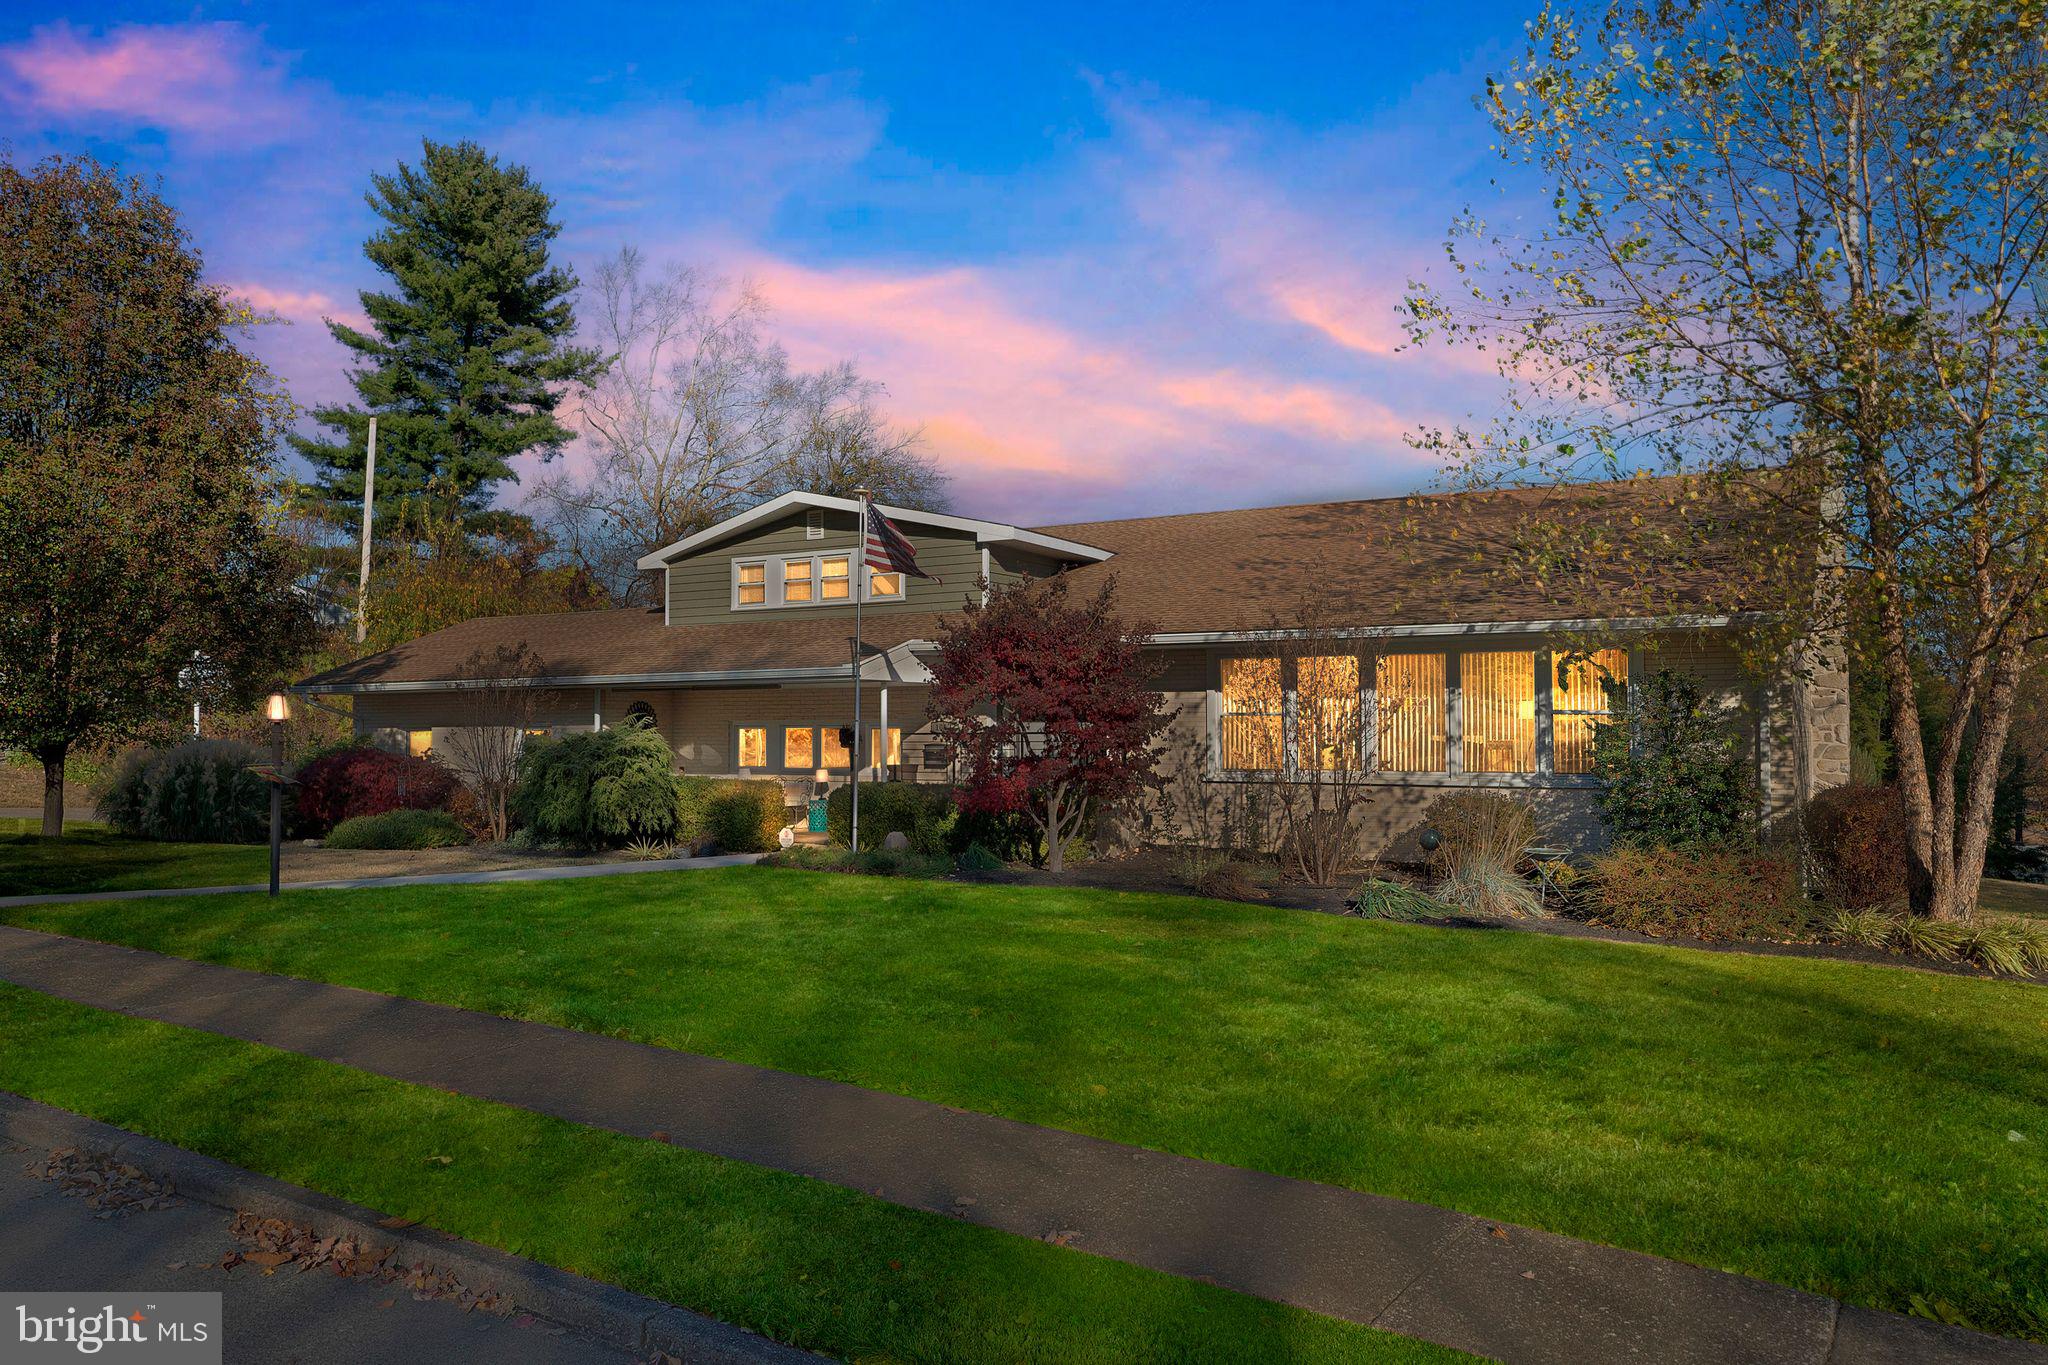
1327, 708
1250, 719
1499, 691
1411, 712
1578, 702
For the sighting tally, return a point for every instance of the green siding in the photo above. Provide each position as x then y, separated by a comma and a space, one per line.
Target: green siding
700, 587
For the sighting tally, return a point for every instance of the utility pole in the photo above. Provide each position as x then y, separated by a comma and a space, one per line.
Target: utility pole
369, 496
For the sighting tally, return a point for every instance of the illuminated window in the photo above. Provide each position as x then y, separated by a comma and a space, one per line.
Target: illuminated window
799, 749
753, 746
753, 585
835, 755
1251, 716
796, 580
1326, 713
419, 743
832, 579
1499, 692
1579, 701
1411, 713
894, 755
885, 584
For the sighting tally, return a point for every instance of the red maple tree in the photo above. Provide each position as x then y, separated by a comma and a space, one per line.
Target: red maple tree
1048, 705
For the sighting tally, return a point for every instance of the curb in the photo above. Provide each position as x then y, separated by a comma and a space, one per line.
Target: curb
616, 1317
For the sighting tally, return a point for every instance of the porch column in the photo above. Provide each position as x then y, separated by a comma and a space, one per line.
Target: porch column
881, 760
597, 708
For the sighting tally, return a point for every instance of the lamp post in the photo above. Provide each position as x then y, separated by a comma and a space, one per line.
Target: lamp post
279, 710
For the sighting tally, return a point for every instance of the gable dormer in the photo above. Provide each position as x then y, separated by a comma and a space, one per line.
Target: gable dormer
801, 554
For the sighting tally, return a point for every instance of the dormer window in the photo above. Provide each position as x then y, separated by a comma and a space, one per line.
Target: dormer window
751, 585
807, 581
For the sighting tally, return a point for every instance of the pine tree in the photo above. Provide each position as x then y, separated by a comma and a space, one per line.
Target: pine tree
468, 356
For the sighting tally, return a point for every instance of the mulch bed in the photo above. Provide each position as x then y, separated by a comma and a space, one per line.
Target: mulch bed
1151, 871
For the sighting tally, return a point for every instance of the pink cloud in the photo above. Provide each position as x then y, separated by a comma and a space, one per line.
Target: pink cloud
294, 342
210, 79
1006, 397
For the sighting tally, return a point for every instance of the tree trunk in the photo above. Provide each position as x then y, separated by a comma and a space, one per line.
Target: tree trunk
53, 792
1055, 845
1994, 722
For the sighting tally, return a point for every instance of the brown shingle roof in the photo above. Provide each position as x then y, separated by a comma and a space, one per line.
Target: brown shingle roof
633, 642
1443, 558
1446, 558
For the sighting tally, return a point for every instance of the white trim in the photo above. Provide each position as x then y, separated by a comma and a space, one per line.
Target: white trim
1458, 628
986, 532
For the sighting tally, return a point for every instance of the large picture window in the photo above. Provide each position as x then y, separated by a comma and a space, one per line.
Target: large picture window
1499, 690
1252, 716
1578, 701
1328, 722
1412, 710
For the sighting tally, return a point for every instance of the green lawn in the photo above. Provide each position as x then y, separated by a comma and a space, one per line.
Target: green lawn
1831, 1125
88, 857
804, 1261
2014, 898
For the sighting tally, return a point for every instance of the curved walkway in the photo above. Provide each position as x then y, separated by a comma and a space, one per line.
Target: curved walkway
1509, 1292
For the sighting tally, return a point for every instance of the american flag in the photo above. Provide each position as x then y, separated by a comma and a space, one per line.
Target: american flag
887, 550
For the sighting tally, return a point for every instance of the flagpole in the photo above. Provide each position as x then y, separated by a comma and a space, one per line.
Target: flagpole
860, 590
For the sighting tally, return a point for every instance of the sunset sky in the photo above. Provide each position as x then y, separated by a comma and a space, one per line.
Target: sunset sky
1114, 260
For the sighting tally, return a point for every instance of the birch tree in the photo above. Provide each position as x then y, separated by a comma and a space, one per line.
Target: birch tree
1793, 248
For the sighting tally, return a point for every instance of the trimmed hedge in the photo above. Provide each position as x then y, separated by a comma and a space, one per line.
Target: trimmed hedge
362, 779
924, 814
743, 815
1858, 836
1708, 895
201, 791
599, 788
400, 829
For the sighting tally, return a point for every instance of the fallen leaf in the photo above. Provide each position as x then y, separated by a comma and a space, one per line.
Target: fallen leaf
395, 1221
267, 1258
442, 1160
1501, 1233
387, 1303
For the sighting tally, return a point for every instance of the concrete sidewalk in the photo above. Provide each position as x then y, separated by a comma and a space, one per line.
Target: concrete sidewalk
507, 874
1512, 1293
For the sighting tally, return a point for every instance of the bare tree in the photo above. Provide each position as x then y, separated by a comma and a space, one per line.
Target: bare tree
1297, 726
495, 716
700, 414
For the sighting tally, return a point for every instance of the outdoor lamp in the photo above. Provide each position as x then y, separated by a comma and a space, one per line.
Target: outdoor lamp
279, 709
821, 777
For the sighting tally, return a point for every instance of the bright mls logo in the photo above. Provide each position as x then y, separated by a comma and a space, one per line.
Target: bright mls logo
165, 1329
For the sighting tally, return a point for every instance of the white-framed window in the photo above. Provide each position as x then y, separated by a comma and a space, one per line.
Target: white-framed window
771, 581
419, 743
750, 582
1579, 701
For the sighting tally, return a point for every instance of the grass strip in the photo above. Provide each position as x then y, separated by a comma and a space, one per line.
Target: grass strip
1866, 1132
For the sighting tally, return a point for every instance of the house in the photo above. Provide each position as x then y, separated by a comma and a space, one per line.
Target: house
746, 666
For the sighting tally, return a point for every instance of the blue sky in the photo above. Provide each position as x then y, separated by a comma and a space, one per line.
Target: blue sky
1113, 260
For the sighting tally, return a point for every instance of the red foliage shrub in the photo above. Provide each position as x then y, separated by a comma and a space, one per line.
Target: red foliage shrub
1858, 837
346, 783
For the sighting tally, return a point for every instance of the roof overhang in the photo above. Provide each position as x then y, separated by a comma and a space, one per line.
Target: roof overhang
984, 532
1440, 629
897, 664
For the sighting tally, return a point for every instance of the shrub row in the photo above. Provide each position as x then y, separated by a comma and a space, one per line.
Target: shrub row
202, 791
399, 829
